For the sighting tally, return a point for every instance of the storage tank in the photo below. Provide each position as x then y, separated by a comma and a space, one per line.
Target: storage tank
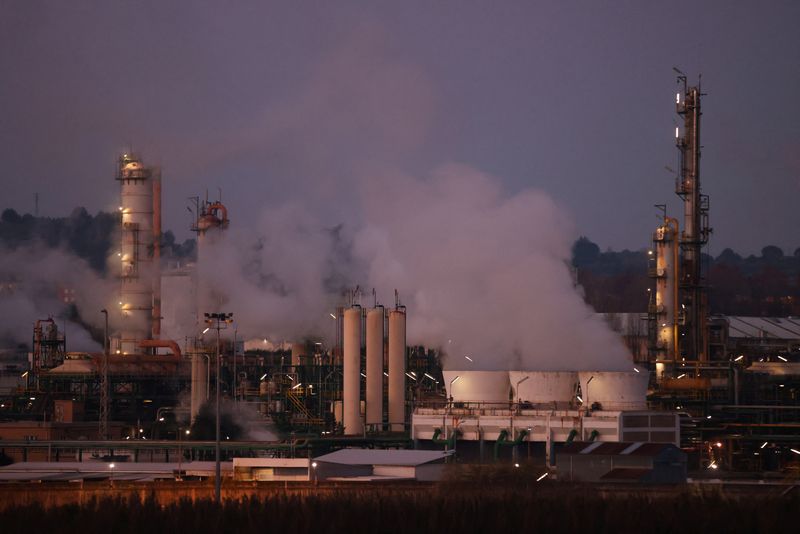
477, 386
615, 390
397, 368
351, 347
544, 387
374, 342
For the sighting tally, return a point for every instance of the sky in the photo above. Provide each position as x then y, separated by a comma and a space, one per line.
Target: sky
295, 102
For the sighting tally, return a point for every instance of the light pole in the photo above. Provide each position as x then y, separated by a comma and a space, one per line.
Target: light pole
218, 321
180, 451
104, 382
516, 389
235, 396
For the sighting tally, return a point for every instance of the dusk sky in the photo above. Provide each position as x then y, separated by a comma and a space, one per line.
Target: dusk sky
298, 101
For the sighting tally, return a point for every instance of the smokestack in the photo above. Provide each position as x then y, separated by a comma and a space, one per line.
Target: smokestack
156, 330
352, 371
397, 368
375, 318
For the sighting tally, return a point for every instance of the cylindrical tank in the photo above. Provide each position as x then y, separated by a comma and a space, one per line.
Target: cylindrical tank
477, 386
615, 390
397, 368
351, 347
544, 387
136, 252
298, 351
374, 342
198, 393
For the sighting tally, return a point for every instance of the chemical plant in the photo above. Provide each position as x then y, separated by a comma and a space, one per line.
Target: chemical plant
724, 389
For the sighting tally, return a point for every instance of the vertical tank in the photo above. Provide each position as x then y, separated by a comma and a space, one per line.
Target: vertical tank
156, 280
136, 252
198, 393
666, 301
375, 320
212, 220
351, 346
397, 368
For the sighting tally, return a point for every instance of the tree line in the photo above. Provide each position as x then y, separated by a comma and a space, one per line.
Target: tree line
765, 285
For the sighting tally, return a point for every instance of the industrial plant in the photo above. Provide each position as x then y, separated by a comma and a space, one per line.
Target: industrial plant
711, 392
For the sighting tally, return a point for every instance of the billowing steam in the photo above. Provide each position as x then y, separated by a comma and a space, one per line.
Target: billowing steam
38, 283
483, 275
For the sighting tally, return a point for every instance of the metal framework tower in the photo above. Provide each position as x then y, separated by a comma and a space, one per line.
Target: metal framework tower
693, 289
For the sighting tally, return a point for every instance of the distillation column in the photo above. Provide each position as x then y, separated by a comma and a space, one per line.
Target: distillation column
397, 368
351, 347
666, 275
694, 341
136, 253
375, 323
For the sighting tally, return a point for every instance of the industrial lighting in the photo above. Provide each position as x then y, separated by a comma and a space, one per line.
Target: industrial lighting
33, 398
718, 444
782, 358
291, 377
332, 316
456, 379
676, 132
516, 465
677, 98
362, 374
314, 465
795, 451
542, 477
429, 376
467, 357
188, 432
708, 417
24, 374
297, 385
111, 465
681, 375
763, 445
738, 358
160, 419
579, 398
713, 465
206, 329
650, 252
411, 377
637, 370
386, 374
263, 377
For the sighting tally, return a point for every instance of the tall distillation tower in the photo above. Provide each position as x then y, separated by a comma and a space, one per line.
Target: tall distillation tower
693, 290
139, 253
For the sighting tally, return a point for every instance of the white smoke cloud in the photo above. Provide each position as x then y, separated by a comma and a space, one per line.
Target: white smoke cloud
34, 279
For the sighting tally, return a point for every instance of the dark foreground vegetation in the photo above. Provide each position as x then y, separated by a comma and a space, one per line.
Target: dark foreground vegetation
453, 507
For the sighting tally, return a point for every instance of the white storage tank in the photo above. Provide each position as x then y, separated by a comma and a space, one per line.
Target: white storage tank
477, 386
615, 390
544, 387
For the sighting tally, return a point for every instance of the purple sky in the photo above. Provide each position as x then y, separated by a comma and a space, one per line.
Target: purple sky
276, 101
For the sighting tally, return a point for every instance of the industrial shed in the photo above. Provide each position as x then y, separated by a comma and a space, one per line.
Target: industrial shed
373, 465
649, 463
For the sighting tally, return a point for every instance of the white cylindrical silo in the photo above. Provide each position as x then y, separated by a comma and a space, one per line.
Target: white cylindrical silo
351, 347
374, 342
615, 390
544, 387
397, 368
198, 392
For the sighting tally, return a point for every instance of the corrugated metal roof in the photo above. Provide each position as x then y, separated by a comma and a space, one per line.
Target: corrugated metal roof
761, 327
382, 457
